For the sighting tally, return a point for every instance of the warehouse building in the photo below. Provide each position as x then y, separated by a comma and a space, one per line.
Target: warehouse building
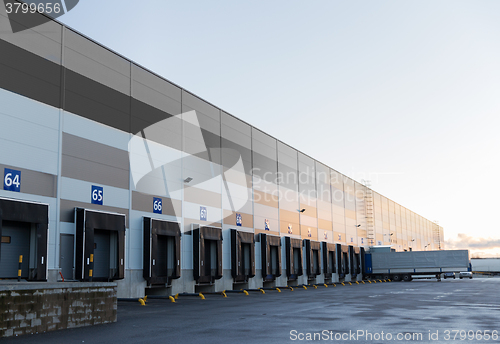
113, 173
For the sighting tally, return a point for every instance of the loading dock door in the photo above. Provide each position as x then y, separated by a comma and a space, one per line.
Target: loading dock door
355, 260
242, 255
16, 242
270, 255
275, 258
162, 254
312, 251
102, 235
329, 261
166, 261
207, 254
345, 260
23, 229
102, 251
293, 257
211, 257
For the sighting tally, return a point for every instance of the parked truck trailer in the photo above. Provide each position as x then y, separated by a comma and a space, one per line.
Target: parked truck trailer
397, 266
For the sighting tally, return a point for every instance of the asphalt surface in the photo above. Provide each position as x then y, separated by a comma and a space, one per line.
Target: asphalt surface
422, 311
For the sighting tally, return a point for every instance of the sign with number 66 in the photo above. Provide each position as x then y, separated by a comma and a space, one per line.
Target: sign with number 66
157, 205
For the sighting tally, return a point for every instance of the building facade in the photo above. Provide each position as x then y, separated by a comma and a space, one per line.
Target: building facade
143, 182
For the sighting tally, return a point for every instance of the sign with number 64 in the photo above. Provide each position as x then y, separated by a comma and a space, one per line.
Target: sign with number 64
12, 180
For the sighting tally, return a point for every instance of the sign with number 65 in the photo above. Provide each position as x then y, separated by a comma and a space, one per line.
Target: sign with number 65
97, 195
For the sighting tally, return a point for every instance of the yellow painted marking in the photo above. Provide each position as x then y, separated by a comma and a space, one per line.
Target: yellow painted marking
278, 289
201, 295
171, 299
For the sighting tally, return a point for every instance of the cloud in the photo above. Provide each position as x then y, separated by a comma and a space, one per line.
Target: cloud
464, 241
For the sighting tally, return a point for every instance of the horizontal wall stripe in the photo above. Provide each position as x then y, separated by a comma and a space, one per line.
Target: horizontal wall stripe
196, 195
29, 75
79, 147
34, 182
94, 172
144, 202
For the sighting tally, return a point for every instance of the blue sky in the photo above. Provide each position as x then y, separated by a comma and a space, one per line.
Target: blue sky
404, 93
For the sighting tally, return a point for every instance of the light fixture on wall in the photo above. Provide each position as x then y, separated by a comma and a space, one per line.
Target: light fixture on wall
358, 226
302, 210
188, 179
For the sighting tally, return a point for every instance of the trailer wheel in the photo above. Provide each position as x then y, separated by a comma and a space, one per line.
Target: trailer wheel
396, 278
407, 278
386, 277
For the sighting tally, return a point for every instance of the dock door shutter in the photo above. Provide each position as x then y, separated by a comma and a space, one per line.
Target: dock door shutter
362, 254
207, 254
312, 257
32, 213
357, 260
338, 250
94, 229
242, 255
271, 256
345, 260
294, 257
162, 251
329, 258
352, 261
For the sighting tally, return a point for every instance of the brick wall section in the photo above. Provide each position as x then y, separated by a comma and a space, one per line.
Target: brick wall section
28, 308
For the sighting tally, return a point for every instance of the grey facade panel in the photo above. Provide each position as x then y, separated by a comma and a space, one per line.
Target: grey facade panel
144, 202
264, 138
263, 165
30, 75
36, 183
97, 102
155, 91
43, 40
94, 172
192, 102
95, 62
93, 151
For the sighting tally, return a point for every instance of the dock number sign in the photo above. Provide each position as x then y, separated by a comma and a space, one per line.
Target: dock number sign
203, 213
97, 195
238, 219
157, 205
12, 180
